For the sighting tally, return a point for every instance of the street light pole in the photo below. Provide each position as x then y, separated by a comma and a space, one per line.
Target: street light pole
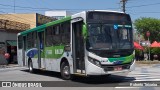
149, 49
139, 38
148, 34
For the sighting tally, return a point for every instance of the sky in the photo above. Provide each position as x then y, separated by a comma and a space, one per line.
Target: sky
136, 8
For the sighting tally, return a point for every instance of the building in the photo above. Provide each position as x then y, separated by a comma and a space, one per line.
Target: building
10, 25
58, 14
33, 19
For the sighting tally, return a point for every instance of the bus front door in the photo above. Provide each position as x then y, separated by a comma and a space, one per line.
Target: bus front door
40, 48
78, 47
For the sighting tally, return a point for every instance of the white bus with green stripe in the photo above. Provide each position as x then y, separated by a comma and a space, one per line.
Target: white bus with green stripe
97, 42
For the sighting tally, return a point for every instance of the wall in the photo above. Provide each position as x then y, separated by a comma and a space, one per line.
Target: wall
3, 37
23, 18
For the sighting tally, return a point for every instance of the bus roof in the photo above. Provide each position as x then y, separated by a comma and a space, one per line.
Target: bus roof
59, 21
107, 11
45, 25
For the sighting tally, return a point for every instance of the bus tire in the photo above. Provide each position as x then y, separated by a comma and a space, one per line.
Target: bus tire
30, 66
65, 71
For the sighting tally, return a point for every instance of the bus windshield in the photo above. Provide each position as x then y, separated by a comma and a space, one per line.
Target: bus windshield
109, 36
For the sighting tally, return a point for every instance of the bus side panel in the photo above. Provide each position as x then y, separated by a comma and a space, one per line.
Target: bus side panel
69, 58
51, 64
49, 61
43, 62
25, 59
19, 57
35, 63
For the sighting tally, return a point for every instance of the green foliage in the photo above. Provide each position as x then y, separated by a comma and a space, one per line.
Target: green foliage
148, 24
155, 50
145, 49
137, 51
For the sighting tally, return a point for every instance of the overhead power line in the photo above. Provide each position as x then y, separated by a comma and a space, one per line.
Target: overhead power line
123, 2
147, 12
22, 7
24, 19
143, 5
46, 8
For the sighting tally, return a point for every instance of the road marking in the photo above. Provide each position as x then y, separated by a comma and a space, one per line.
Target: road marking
144, 74
127, 87
147, 80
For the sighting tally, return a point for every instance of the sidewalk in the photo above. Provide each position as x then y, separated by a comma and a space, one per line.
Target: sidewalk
9, 66
147, 63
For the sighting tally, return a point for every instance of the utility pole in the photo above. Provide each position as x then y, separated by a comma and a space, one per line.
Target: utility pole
123, 5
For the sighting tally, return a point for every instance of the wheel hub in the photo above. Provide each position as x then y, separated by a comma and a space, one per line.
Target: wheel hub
30, 67
66, 70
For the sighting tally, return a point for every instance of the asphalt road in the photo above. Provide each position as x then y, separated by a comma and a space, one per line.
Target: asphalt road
148, 75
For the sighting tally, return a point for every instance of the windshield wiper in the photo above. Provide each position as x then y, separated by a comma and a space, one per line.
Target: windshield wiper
99, 48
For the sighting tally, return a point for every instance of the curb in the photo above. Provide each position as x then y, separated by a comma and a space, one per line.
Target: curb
9, 66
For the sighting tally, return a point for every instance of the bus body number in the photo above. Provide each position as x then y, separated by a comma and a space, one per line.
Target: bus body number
58, 51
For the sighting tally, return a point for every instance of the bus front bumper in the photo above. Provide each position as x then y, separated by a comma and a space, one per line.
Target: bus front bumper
95, 70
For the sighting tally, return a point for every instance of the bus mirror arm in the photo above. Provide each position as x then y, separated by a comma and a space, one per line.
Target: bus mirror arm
67, 48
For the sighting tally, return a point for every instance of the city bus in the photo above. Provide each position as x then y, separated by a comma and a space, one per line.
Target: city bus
95, 42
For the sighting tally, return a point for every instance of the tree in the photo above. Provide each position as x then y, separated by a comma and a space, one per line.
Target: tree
148, 24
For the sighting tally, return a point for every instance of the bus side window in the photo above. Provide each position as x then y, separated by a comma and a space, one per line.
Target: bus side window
34, 39
56, 36
65, 32
31, 40
49, 36
20, 42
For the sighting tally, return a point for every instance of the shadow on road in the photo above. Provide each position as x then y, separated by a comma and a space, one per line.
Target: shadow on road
91, 80
103, 79
45, 73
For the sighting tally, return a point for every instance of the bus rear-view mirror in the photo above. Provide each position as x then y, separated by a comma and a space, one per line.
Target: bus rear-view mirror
67, 48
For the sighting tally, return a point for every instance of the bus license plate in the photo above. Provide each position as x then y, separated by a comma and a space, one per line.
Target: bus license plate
118, 68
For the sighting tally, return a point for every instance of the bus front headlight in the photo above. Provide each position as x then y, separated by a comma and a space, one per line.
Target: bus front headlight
94, 61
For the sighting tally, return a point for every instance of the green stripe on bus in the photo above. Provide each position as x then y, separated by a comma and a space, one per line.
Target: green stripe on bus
41, 30
84, 31
54, 51
45, 25
58, 21
124, 59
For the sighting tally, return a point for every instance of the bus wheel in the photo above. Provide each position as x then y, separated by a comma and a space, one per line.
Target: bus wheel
65, 71
30, 66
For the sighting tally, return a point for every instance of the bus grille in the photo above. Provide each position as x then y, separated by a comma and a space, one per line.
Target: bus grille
111, 67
